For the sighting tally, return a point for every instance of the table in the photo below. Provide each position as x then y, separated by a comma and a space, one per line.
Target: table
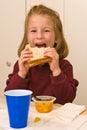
46, 122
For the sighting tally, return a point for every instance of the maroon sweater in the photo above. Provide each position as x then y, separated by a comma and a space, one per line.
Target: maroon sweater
41, 81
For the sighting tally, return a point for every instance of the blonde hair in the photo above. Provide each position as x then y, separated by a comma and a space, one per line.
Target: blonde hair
60, 42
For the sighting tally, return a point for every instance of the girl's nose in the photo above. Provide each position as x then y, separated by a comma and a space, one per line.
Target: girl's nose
39, 34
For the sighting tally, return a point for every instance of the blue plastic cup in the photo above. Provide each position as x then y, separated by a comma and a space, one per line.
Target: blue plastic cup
18, 102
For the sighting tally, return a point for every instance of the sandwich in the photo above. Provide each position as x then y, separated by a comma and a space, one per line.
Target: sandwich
38, 57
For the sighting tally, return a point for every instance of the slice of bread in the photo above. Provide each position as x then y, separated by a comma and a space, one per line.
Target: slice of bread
38, 57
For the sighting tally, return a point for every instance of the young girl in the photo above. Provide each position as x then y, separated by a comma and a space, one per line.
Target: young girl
43, 27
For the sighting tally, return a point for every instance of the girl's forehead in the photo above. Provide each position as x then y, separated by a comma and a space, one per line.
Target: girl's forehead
41, 18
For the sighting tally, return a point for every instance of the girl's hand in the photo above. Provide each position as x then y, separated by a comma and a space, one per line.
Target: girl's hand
26, 54
54, 64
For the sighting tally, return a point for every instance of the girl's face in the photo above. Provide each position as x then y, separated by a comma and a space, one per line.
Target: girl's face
40, 31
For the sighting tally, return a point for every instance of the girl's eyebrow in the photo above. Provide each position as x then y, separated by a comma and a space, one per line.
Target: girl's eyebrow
31, 27
43, 27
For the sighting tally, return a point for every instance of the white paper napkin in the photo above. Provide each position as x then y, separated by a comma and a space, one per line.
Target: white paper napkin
78, 123
68, 112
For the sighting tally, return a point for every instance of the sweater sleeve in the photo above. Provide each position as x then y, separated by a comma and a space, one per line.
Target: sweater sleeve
64, 86
14, 81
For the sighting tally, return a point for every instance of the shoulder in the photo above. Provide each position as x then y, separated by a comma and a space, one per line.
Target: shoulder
16, 68
64, 63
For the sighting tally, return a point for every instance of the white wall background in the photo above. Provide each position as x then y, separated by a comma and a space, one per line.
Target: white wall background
73, 14
76, 33
12, 14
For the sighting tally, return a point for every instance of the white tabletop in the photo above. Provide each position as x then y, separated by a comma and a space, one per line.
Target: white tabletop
47, 121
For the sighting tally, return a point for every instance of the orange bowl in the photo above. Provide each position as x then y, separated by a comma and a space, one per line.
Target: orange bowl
44, 104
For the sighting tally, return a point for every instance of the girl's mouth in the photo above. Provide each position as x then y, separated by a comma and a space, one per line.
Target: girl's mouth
40, 45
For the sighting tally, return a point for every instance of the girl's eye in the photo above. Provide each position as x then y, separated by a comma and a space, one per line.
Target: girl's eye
33, 30
47, 30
